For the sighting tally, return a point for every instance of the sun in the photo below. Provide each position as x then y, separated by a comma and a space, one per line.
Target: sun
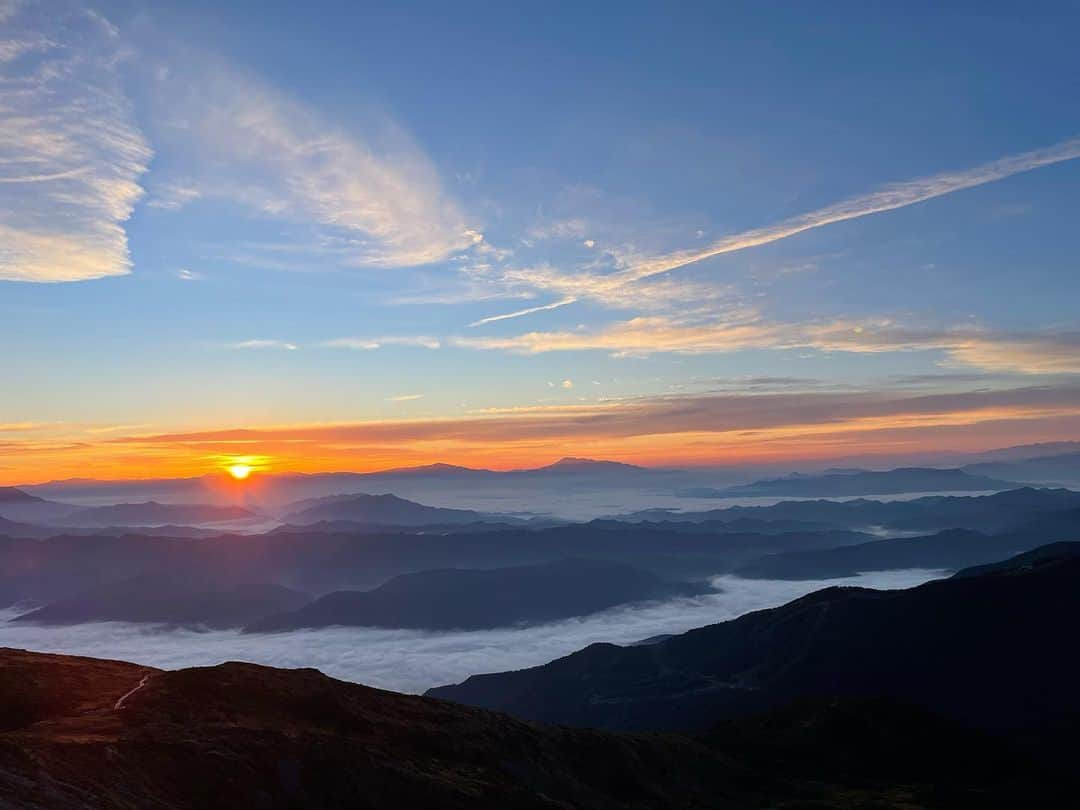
239, 471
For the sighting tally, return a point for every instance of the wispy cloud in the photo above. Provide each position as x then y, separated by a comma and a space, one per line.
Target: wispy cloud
519, 313
371, 186
173, 196
369, 344
1046, 352
1023, 353
642, 335
71, 154
405, 397
265, 344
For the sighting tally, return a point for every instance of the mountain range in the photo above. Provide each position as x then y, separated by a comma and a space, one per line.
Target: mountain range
955, 694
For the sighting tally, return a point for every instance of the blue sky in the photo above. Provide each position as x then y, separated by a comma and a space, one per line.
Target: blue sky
255, 215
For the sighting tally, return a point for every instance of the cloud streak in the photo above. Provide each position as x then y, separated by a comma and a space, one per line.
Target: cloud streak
522, 312
624, 286
888, 198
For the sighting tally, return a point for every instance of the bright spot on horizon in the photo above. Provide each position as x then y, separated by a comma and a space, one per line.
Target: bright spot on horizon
239, 471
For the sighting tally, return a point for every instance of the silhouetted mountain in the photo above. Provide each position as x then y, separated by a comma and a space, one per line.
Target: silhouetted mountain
984, 651
588, 466
849, 483
152, 513
20, 506
168, 599
478, 599
16, 495
387, 510
80, 732
951, 549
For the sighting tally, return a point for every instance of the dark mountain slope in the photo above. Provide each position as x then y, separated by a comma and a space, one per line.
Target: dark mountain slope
989, 651
478, 599
1044, 555
82, 733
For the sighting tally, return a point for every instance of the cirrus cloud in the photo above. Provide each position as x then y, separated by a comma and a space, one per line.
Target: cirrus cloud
71, 154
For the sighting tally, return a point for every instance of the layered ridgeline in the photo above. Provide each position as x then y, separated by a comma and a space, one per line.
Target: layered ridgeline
990, 651
318, 560
479, 599
995, 513
847, 483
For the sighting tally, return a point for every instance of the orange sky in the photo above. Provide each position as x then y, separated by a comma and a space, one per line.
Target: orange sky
713, 430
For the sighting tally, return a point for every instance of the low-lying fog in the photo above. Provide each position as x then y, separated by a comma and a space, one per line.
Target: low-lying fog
412, 661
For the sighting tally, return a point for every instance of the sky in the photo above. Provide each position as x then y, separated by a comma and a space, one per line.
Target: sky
351, 236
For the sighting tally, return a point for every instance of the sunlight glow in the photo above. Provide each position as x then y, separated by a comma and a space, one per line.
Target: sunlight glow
239, 471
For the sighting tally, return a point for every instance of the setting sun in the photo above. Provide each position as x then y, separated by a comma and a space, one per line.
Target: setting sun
239, 471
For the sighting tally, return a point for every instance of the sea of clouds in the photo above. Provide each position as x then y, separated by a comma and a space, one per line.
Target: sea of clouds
412, 661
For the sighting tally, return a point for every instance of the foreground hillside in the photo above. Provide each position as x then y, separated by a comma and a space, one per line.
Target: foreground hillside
991, 651
84, 733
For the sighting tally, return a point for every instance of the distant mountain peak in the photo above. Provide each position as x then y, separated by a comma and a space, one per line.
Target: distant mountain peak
576, 463
16, 495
